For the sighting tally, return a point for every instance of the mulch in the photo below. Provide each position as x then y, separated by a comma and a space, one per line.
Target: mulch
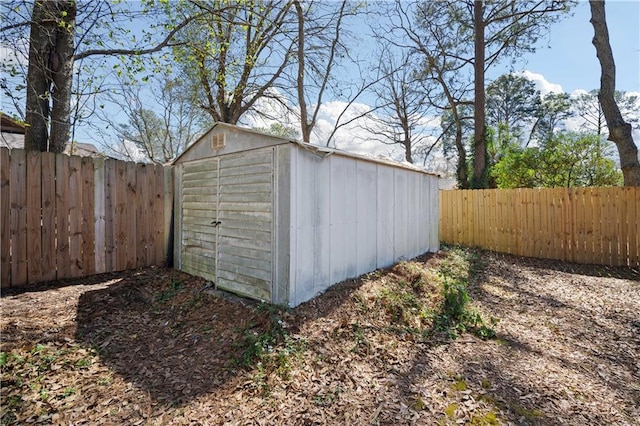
155, 346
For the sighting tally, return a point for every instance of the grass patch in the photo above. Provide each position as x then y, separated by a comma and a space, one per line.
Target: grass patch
424, 300
170, 292
454, 314
268, 348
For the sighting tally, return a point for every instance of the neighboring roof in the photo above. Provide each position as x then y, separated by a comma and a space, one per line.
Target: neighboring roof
324, 151
83, 150
9, 125
16, 141
11, 140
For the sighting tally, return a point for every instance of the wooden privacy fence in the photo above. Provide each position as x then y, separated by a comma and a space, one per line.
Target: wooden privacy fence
66, 216
583, 225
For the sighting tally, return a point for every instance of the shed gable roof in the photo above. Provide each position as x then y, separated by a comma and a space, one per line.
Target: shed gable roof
267, 139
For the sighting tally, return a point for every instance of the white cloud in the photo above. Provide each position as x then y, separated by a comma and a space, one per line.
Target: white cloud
542, 84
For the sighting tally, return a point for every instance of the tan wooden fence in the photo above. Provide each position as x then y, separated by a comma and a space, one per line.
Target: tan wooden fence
583, 225
66, 216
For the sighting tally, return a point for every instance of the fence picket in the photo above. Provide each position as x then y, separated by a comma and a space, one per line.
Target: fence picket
5, 214
133, 189
633, 217
18, 219
141, 213
88, 220
157, 244
120, 217
584, 225
48, 162
99, 205
75, 216
109, 215
63, 267
34, 224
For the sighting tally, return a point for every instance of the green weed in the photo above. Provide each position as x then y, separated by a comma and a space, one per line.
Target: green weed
268, 348
401, 306
170, 292
454, 315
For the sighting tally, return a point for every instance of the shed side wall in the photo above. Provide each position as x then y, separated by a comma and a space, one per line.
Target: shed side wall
350, 217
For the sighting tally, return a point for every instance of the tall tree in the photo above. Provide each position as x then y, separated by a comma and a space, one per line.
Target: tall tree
501, 29
477, 34
444, 72
619, 129
512, 101
553, 109
588, 107
157, 118
50, 75
321, 34
401, 106
234, 52
61, 32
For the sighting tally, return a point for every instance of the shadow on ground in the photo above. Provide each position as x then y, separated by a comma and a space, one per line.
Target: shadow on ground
169, 335
160, 331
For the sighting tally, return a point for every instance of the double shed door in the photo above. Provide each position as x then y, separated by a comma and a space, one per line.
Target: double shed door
227, 229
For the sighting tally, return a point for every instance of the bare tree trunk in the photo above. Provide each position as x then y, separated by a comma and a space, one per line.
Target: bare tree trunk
36, 136
479, 143
61, 66
407, 148
50, 75
305, 128
619, 130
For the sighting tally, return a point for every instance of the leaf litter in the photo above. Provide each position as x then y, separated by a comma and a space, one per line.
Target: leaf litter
151, 347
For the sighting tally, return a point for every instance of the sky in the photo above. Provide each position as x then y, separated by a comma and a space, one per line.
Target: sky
565, 61
571, 60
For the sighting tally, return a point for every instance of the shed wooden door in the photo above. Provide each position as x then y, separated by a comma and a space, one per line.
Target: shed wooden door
200, 217
245, 213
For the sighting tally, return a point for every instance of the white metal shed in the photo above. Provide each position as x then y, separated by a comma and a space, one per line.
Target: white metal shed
281, 221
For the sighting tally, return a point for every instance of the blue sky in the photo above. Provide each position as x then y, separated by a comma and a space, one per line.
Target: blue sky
568, 64
571, 60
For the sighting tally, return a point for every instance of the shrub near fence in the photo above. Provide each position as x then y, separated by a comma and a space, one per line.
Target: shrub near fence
66, 216
583, 225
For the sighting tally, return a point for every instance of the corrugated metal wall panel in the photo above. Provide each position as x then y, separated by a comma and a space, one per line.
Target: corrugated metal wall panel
302, 224
414, 215
343, 219
366, 217
322, 244
350, 217
386, 221
401, 206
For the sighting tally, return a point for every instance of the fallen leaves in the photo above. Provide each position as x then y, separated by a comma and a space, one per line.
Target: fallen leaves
151, 348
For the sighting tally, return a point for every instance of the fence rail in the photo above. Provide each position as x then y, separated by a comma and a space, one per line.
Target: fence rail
65, 216
582, 225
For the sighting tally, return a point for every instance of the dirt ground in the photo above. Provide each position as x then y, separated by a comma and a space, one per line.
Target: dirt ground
157, 347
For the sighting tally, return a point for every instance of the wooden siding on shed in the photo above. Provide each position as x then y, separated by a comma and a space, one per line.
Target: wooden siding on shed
245, 211
235, 190
199, 194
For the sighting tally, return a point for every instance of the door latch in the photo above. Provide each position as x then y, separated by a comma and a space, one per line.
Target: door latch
215, 223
